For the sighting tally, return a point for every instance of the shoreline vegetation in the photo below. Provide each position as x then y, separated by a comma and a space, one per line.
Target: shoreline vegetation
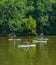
28, 17
25, 35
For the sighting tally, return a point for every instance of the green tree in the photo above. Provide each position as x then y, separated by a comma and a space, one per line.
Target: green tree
29, 25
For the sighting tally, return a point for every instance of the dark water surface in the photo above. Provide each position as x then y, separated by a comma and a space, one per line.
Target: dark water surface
42, 54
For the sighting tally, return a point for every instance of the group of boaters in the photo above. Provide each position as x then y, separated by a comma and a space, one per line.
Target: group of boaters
41, 36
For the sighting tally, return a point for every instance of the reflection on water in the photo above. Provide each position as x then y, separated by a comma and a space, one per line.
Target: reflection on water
42, 54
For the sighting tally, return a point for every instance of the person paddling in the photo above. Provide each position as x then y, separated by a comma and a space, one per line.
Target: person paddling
41, 36
14, 35
26, 43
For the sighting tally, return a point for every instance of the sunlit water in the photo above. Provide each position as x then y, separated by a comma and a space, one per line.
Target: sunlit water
42, 54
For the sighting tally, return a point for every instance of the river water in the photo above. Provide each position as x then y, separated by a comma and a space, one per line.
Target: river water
42, 54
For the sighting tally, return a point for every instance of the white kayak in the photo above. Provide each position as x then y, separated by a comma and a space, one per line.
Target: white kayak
33, 45
14, 39
43, 39
39, 41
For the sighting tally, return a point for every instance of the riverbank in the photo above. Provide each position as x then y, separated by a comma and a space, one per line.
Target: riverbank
25, 34
11, 34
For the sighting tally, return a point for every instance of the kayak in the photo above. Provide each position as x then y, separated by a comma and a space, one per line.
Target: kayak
14, 39
33, 45
43, 39
39, 41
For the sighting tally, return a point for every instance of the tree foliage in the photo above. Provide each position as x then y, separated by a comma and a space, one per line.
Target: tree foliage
28, 16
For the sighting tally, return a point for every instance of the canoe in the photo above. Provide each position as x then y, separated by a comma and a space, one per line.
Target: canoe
39, 41
33, 45
14, 39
